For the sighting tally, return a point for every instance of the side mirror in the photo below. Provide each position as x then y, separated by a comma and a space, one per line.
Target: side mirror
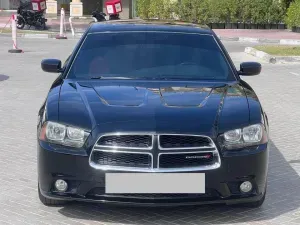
51, 65
250, 68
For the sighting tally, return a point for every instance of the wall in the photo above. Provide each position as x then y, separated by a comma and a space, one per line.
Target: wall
4, 4
10, 4
91, 5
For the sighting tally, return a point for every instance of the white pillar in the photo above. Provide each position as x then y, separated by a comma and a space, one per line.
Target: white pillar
51, 7
76, 8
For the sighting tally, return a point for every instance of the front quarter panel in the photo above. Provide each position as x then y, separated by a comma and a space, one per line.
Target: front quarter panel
49, 110
256, 113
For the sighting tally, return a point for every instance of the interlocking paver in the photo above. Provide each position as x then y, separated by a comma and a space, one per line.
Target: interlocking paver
25, 90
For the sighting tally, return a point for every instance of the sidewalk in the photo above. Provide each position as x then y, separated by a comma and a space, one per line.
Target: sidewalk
53, 24
265, 36
260, 34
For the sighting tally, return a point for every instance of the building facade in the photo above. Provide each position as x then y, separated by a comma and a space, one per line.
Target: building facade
75, 7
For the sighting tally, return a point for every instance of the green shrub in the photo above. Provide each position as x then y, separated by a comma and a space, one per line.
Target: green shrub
142, 8
259, 11
244, 14
205, 11
227, 10
276, 12
293, 14
161, 9
189, 10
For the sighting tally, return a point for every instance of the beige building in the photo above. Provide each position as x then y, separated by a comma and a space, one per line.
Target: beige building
85, 7
75, 7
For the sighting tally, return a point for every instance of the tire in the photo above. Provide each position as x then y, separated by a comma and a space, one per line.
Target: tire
50, 202
20, 22
42, 26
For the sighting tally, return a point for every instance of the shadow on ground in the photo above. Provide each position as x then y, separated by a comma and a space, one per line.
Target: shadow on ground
281, 198
3, 77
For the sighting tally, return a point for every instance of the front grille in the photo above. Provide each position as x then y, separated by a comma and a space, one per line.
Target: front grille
185, 160
183, 141
142, 152
121, 159
126, 141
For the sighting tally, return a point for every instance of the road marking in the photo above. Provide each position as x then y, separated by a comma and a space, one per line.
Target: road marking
296, 74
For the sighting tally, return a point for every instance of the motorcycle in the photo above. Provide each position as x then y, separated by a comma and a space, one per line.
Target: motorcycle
101, 16
26, 16
114, 16
98, 16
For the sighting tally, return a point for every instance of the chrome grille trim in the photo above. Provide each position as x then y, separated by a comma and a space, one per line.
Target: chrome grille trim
114, 149
185, 148
124, 134
205, 167
119, 168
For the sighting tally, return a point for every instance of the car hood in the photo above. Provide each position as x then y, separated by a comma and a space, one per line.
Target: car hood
152, 106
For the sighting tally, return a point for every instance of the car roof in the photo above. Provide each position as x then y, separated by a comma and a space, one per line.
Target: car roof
149, 25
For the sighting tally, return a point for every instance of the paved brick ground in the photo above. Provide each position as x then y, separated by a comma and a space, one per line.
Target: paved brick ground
22, 94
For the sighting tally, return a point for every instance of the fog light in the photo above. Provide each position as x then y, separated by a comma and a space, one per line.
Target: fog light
61, 185
246, 187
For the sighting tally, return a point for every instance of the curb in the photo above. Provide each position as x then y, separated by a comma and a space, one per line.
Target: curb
240, 39
270, 58
43, 36
261, 40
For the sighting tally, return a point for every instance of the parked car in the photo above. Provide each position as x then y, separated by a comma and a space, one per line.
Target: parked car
151, 112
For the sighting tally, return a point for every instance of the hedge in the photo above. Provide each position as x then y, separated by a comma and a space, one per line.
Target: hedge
208, 11
293, 15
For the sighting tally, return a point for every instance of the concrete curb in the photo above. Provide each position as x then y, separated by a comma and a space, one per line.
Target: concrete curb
42, 36
261, 40
259, 54
240, 39
270, 58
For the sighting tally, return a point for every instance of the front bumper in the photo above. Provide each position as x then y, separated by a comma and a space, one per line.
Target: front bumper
88, 184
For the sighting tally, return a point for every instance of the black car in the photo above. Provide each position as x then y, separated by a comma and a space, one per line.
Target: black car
153, 113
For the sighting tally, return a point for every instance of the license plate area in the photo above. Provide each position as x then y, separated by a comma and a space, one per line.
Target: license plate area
155, 183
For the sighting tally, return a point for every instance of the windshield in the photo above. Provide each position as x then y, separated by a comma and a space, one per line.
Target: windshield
150, 55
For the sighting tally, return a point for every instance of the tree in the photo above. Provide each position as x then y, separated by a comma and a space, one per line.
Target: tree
293, 14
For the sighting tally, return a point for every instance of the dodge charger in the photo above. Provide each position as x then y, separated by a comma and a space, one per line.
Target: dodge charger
151, 113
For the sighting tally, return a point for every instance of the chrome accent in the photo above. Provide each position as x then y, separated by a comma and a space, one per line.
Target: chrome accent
120, 147
210, 149
186, 148
118, 168
206, 167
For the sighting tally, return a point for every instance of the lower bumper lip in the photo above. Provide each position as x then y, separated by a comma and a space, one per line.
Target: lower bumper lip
129, 202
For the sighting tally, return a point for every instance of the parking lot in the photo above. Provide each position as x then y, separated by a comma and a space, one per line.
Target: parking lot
23, 88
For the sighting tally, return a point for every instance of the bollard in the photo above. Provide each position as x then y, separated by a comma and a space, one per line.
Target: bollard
62, 24
14, 35
71, 25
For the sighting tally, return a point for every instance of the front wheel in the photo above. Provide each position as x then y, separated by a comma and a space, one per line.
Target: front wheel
20, 22
43, 26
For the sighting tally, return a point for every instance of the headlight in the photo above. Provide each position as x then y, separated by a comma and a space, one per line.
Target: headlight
61, 134
238, 138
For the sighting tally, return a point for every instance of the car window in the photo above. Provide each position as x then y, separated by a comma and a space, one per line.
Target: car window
150, 55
